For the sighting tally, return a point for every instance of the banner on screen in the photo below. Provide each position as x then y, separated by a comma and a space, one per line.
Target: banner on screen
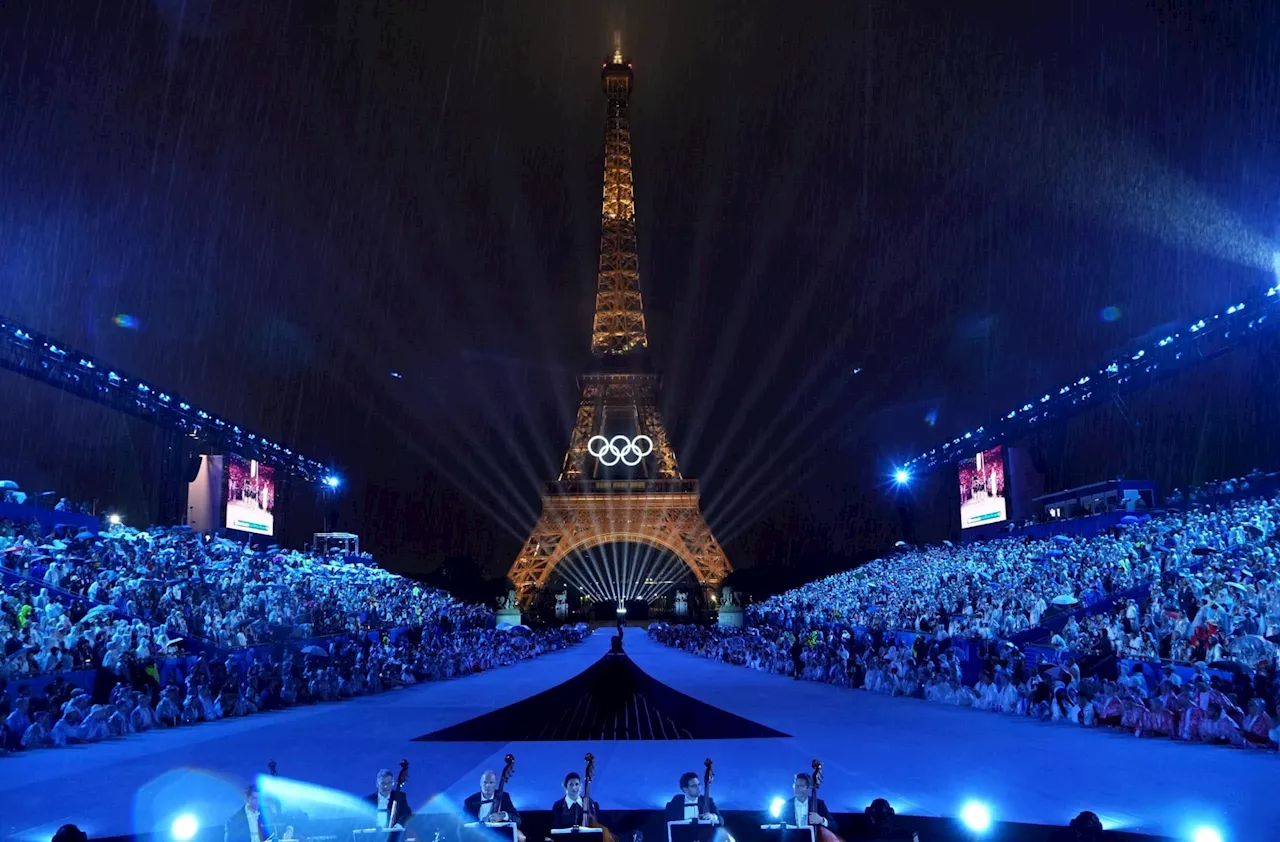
983, 493
251, 496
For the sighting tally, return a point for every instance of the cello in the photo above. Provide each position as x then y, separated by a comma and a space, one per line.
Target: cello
820, 833
589, 818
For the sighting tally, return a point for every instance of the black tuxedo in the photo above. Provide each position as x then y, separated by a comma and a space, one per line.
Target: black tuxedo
399, 800
563, 816
816, 805
471, 806
237, 827
675, 807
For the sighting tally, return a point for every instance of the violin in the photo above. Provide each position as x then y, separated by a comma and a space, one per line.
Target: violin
589, 812
821, 834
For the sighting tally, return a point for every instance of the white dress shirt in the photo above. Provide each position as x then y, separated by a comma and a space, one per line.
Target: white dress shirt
802, 812
691, 810
486, 807
384, 809
255, 834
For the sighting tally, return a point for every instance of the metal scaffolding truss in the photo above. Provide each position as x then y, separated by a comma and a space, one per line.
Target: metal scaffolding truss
1131, 372
47, 360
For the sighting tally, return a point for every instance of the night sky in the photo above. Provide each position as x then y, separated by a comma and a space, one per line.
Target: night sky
272, 207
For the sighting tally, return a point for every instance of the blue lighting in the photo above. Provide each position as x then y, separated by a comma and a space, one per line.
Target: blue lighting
397, 375
1206, 834
775, 807
332, 481
976, 816
185, 827
902, 476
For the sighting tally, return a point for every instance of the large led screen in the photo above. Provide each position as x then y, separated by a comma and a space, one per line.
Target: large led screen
983, 493
251, 496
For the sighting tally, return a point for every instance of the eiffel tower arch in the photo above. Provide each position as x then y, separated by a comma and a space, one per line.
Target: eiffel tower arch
620, 481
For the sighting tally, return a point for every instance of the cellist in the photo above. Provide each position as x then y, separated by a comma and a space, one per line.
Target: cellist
569, 811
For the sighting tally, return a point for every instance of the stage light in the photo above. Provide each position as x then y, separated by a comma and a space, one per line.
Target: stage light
114, 520
902, 476
1206, 834
185, 827
332, 481
976, 816
775, 807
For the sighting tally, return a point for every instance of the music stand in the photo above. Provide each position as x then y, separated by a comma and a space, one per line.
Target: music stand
496, 830
783, 832
589, 834
690, 830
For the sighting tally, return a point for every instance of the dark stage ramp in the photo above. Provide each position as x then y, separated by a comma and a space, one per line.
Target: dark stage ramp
613, 699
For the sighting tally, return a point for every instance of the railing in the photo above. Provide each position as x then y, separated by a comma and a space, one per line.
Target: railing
563, 488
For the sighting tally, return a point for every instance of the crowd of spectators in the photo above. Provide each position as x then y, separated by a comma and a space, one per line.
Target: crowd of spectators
1194, 594
129, 698
117, 603
84, 600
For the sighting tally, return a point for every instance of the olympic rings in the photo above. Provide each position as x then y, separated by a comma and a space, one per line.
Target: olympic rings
620, 449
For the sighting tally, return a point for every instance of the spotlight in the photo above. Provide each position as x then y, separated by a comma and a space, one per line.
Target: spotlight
775, 807
332, 481
976, 816
185, 827
902, 476
1206, 834
114, 520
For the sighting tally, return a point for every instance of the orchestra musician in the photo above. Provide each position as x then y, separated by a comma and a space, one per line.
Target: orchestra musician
386, 796
690, 803
569, 811
251, 823
481, 805
802, 810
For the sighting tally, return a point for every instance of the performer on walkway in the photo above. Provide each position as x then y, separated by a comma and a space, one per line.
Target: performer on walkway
482, 806
690, 803
801, 810
570, 810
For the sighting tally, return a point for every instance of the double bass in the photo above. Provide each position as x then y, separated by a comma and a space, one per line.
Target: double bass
820, 833
401, 780
589, 818
708, 775
508, 769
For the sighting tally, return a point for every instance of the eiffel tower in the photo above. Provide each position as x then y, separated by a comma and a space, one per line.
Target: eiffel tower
620, 482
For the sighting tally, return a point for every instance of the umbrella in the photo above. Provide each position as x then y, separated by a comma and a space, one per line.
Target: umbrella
13, 549
99, 611
1229, 666
1065, 599
1053, 671
84, 535
8, 485
1062, 539
1239, 585
315, 650
1203, 551
1253, 530
1131, 519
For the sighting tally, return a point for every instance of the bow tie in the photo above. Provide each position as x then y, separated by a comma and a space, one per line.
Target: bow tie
486, 800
